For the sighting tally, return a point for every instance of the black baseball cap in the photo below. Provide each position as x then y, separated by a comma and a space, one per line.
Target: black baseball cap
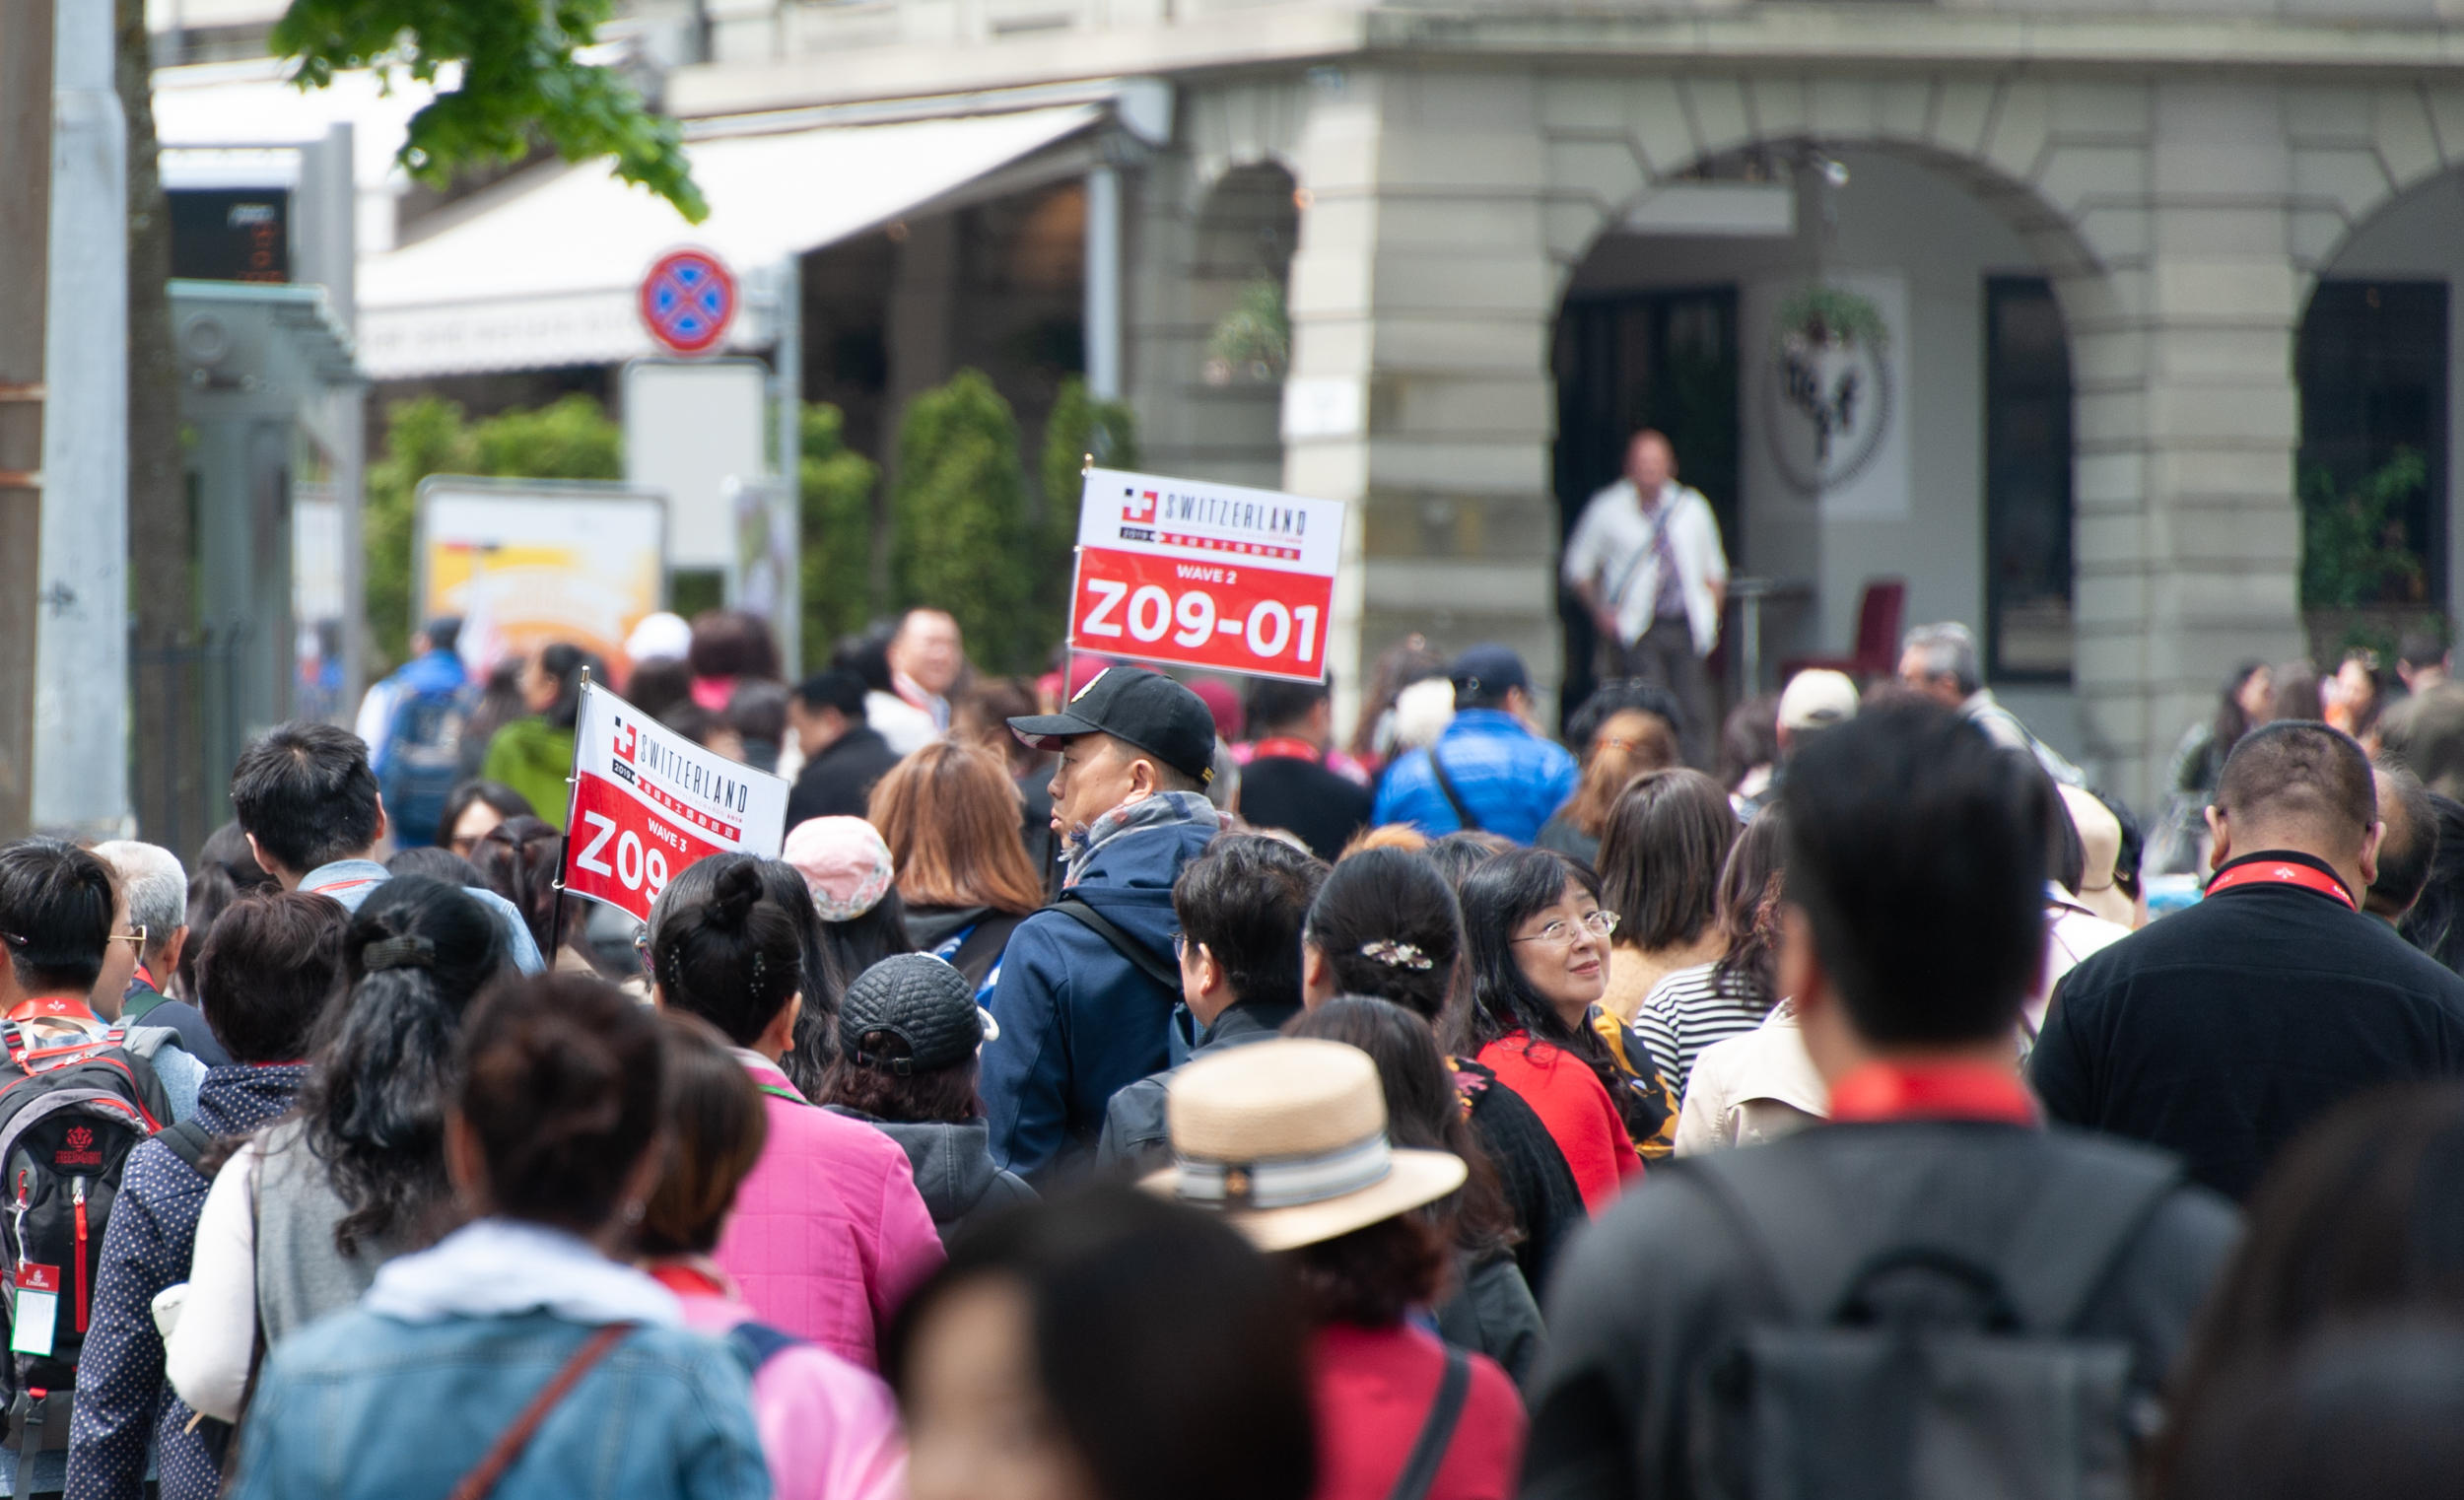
918, 999
1486, 671
1135, 707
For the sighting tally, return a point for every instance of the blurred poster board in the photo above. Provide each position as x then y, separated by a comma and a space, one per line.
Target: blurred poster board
690, 426
527, 562
762, 574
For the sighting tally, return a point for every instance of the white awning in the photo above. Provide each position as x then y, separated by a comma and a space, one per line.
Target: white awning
543, 271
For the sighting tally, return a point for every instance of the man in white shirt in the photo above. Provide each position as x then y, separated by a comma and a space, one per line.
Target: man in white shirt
1645, 559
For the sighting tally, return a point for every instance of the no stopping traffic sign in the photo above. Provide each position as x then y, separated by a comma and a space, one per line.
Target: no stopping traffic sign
688, 299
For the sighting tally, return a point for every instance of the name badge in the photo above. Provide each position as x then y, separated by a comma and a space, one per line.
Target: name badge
37, 1310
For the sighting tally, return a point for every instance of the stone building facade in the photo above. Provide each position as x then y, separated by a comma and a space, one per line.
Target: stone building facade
1438, 187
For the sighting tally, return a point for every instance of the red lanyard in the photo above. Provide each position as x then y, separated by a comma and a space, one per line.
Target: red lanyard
1937, 1091
2280, 872
688, 1280
1284, 747
146, 976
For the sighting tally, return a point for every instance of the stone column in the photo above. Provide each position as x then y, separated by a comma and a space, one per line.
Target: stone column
1422, 300
2189, 544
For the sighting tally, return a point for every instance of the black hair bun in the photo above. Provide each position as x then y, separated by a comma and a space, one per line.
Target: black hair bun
733, 894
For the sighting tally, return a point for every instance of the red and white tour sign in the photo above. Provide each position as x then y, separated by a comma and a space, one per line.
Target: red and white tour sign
648, 802
1214, 576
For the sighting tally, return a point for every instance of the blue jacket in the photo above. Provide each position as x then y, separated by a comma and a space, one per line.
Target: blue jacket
1511, 779
435, 672
1078, 1022
121, 1400
352, 881
362, 1406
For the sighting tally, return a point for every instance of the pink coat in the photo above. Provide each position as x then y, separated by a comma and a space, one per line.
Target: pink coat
829, 1234
828, 1430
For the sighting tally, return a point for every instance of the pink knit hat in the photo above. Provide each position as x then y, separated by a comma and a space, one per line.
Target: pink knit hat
845, 865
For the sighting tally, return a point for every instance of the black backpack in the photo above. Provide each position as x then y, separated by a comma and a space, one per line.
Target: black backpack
1945, 1363
70, 1109
423, 761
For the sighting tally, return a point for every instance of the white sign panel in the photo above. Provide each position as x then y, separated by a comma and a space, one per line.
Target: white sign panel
1832, 396
530, 562
690, 426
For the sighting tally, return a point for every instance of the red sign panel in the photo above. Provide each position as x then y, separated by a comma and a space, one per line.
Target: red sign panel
1206, 576
648, 802
688, 299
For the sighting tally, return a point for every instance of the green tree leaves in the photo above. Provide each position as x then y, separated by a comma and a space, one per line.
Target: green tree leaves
510, 72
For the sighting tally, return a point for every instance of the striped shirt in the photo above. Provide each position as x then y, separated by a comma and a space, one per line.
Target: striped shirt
1690, 1011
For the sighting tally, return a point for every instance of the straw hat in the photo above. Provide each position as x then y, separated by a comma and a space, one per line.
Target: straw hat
1287, 1138
2100, 834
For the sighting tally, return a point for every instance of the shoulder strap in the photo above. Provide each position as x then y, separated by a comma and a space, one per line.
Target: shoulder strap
1454, 798
1437, 1434
2092, 1201
1140, 956
755, 1345
481, 1481
187, 1141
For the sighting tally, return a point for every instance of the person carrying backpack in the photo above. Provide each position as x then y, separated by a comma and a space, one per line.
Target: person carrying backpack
1088, 986
1933, 1295
413, 722
829, 1428
74, 1102
268, 968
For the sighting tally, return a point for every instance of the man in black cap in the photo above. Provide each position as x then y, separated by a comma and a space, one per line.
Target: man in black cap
1087, 987
1488, 772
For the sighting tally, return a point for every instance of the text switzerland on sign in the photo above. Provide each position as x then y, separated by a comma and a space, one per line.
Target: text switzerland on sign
648, 802
1205, 575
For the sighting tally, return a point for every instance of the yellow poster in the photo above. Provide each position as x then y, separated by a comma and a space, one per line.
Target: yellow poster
529, 563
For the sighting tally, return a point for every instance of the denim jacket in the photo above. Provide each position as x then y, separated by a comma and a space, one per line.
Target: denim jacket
406, 1393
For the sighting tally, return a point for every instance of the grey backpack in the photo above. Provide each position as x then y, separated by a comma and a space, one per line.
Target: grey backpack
1946, 1365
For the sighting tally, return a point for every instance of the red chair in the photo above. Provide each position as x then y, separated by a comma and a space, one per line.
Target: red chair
1879, 616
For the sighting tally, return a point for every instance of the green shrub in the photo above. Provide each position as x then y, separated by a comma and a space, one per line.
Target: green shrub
1080, 426
959, 533
2353, 547
835, 485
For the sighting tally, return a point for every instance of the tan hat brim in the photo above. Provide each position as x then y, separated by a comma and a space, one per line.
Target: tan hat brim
1416, 1178
2108, 901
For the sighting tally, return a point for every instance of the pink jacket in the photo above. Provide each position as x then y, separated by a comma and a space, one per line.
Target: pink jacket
828, 1430
829, 1234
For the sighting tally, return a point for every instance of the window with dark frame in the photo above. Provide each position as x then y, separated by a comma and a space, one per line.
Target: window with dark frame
2028, 483
2372, 364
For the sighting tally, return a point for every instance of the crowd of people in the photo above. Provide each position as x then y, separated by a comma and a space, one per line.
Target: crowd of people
1119, 1088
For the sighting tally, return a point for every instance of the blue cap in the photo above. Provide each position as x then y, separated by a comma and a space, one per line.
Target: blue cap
1487, 672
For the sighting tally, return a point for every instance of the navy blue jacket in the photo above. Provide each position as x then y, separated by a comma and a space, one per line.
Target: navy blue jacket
121, 1399
1078, 1022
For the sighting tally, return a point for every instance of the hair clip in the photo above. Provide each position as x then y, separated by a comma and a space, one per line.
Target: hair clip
1395, 955
408, 951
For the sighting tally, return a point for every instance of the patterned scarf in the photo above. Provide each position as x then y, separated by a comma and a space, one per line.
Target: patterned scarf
1165, 809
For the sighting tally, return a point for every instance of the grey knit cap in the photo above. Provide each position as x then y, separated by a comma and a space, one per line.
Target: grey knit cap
921, 1000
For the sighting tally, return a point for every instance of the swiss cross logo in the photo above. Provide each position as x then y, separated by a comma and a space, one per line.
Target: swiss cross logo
624, 740
80, 1138
1139, 506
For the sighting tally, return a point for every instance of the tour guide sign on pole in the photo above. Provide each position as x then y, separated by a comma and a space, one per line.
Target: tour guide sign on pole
1211, 576
648, 801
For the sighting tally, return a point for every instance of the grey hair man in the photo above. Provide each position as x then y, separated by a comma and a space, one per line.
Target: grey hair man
1941, 661
148, 933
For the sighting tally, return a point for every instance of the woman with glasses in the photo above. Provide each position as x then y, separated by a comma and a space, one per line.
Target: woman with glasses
1692, 1008
1537, 942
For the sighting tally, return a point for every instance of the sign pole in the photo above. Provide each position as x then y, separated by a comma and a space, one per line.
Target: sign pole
563, 846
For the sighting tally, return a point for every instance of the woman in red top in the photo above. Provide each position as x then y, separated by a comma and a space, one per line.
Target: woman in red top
1288, 1139
1537, 943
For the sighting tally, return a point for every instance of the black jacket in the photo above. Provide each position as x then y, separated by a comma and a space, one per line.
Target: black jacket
836, 782
1663, 1284
2219, 1032
1135, 1139
1304, 797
